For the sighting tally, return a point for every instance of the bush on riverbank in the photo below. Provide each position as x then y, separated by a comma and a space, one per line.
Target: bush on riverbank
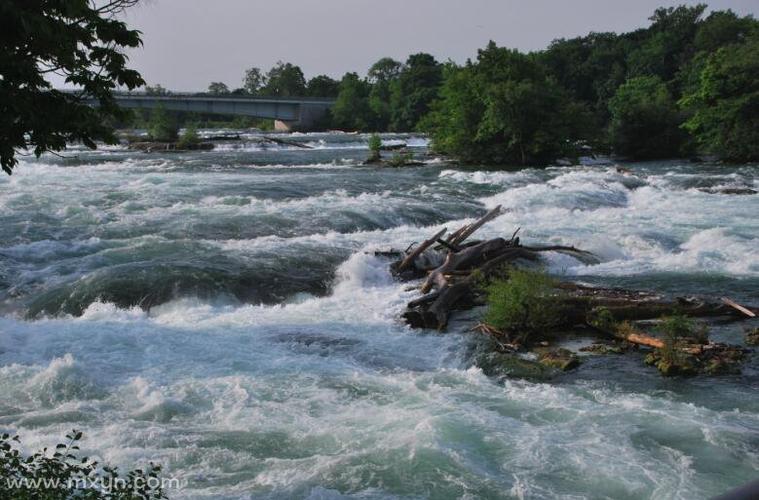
189, 137
523, 303
63, 474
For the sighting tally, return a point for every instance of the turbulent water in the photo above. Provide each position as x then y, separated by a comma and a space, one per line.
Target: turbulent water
218, 313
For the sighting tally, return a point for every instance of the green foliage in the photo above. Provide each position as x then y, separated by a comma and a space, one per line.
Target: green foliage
400, 159
189, 137
725, 105
382, 76
162, 126
602, 319
525, 303
668, 43
253, 82
157, 90
504, 109
351, 110
322, 86
82, 42
673, 330
284, 80
375, 146
644, 120
412, 92
64, 475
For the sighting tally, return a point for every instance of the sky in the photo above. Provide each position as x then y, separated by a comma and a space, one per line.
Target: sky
190, 43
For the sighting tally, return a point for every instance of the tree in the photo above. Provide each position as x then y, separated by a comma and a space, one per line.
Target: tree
414, 90
504, 109
644, 120
163, 127
384, 70
668, 43
157, 90
351, 110
189, 137
381, 76
285, 80
218, 88
77, 40
724, 27
254, 81
323, 86
725, 107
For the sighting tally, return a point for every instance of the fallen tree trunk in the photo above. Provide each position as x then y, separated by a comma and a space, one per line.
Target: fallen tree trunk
410, 258
739, 307
466, 231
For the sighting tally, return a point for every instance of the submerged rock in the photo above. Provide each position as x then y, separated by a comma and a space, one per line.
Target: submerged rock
729, 190
558, 358
605, 349
495, 364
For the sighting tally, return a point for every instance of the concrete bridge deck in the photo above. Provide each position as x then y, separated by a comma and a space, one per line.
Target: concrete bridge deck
287, 112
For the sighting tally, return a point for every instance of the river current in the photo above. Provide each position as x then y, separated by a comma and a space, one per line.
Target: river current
221, 313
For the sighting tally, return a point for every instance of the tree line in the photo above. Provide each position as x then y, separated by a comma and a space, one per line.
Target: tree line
686, 84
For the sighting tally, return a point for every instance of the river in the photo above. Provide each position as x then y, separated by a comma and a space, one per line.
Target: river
218, 313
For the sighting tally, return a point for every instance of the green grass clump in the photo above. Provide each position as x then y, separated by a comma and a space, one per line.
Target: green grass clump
400, 159
526, 303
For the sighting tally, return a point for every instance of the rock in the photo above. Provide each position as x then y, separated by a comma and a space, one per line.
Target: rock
393, 147
558, 358
512, 365
714, 359
604, 349
669, 368
728, 190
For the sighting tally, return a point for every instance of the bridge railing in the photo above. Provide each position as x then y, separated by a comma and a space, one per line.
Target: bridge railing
205, 95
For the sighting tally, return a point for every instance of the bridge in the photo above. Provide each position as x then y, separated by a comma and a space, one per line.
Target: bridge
288, 113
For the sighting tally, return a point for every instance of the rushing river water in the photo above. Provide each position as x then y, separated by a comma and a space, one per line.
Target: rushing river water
217, 312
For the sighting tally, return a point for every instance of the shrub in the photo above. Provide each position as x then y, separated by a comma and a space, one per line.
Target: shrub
676, 329
162, 127
525, 303
189, 137
65, 475
375, 145
400, 159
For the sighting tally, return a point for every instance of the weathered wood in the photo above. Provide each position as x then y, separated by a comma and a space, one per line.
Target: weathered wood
470, 229
582, 255
423, 300
456, 233
449, 246
406, 263
641, 339
738, 307
466, 259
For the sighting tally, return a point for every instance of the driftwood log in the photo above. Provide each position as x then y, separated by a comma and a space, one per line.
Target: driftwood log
454, 283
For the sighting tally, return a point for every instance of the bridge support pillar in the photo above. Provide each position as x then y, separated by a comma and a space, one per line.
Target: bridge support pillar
283, 126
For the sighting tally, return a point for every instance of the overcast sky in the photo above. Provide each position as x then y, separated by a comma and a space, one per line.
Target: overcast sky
190, 43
